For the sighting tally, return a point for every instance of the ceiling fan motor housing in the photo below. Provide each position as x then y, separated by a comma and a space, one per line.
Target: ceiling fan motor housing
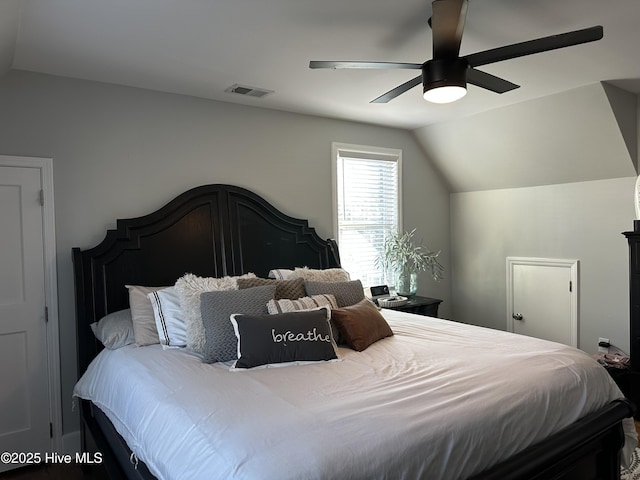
444, 73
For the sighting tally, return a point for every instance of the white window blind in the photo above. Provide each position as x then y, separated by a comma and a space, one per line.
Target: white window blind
367, 185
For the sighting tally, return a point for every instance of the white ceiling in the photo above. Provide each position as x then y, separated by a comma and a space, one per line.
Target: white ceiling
201, 47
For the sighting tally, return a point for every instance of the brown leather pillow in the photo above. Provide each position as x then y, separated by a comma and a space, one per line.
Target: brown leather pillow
291, 289
360, 325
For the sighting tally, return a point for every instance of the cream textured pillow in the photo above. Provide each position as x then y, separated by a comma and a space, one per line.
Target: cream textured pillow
325, 275
190, 287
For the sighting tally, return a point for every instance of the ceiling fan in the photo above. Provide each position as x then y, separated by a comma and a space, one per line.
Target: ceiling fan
444, 78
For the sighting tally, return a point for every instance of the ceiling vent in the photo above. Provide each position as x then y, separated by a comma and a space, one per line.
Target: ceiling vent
249, 91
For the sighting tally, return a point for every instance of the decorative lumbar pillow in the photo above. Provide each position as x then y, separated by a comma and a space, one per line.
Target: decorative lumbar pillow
283, 338
144, 323
190, 287
322, 275
217, 307
303, 303
115, 330
361, 325
284, 288
169, 318
346, 293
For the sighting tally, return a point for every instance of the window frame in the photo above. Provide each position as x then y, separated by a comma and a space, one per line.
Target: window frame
369, 153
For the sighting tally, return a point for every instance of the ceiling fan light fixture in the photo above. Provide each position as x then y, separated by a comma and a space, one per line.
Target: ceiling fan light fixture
444, 81
444, 94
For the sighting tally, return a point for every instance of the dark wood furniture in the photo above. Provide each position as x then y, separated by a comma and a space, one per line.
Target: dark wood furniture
633, 238
629, 380
217, 230
420, 306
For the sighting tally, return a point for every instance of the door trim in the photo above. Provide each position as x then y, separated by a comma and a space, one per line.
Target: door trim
571, 264
45, 166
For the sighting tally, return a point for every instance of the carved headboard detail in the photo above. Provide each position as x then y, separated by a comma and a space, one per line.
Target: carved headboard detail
212, 230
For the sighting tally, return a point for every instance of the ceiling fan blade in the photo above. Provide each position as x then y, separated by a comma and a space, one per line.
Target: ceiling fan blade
488, 81
448, 24
399, 90
535, 46
373, 65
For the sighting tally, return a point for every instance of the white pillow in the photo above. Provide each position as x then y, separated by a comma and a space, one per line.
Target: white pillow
115, 330
280, 273
169, 317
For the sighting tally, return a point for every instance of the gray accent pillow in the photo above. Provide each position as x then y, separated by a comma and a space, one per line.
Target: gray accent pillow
115, 330
190, 287
346, 293
221, 344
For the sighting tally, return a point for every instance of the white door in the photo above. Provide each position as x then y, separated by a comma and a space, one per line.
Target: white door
24, 391
542, 298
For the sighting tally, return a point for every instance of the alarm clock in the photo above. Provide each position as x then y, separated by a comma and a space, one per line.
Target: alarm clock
379, 292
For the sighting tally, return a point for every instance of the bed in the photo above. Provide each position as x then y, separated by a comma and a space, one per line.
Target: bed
373, 414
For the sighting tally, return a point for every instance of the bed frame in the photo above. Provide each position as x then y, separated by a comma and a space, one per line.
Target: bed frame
217, 230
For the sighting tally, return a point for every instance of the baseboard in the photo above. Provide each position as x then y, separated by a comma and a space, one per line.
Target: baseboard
71, 442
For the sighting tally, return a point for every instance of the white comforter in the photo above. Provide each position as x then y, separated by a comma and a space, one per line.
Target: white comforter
439, 400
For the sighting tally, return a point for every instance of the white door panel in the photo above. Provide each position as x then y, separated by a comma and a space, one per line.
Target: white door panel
542, 298
24, 397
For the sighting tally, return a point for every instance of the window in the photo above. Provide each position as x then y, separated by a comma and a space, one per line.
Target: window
367, 193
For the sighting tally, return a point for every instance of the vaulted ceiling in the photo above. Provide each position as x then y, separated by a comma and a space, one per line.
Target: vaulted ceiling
200, 48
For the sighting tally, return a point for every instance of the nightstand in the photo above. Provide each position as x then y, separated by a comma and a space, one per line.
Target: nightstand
420, 306
629, 383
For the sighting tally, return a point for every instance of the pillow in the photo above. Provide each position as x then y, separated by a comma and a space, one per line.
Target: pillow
361, 325
323, 275
284, 337
284, 288
144, 323
217, 307
346, 293
190, 287
169, 318
115, 330
303, 303
280, 273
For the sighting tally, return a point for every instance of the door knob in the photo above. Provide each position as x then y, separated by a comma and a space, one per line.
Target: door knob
517, 316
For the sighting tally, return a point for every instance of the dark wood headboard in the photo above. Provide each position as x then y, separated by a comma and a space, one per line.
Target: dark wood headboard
212, 230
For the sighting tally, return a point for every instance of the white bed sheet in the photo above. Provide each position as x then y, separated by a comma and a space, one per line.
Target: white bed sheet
438, 400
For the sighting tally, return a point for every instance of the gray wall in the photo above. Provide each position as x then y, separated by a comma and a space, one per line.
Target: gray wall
576, 220
588, 133
122, 152
551, 177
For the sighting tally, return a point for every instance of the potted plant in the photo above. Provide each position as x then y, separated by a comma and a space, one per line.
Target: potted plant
405, 258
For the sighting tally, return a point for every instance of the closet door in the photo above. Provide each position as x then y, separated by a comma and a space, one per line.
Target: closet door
542, 298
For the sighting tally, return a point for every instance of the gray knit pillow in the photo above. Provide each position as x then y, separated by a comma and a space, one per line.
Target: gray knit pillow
221, 344
190, 287
346, 293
